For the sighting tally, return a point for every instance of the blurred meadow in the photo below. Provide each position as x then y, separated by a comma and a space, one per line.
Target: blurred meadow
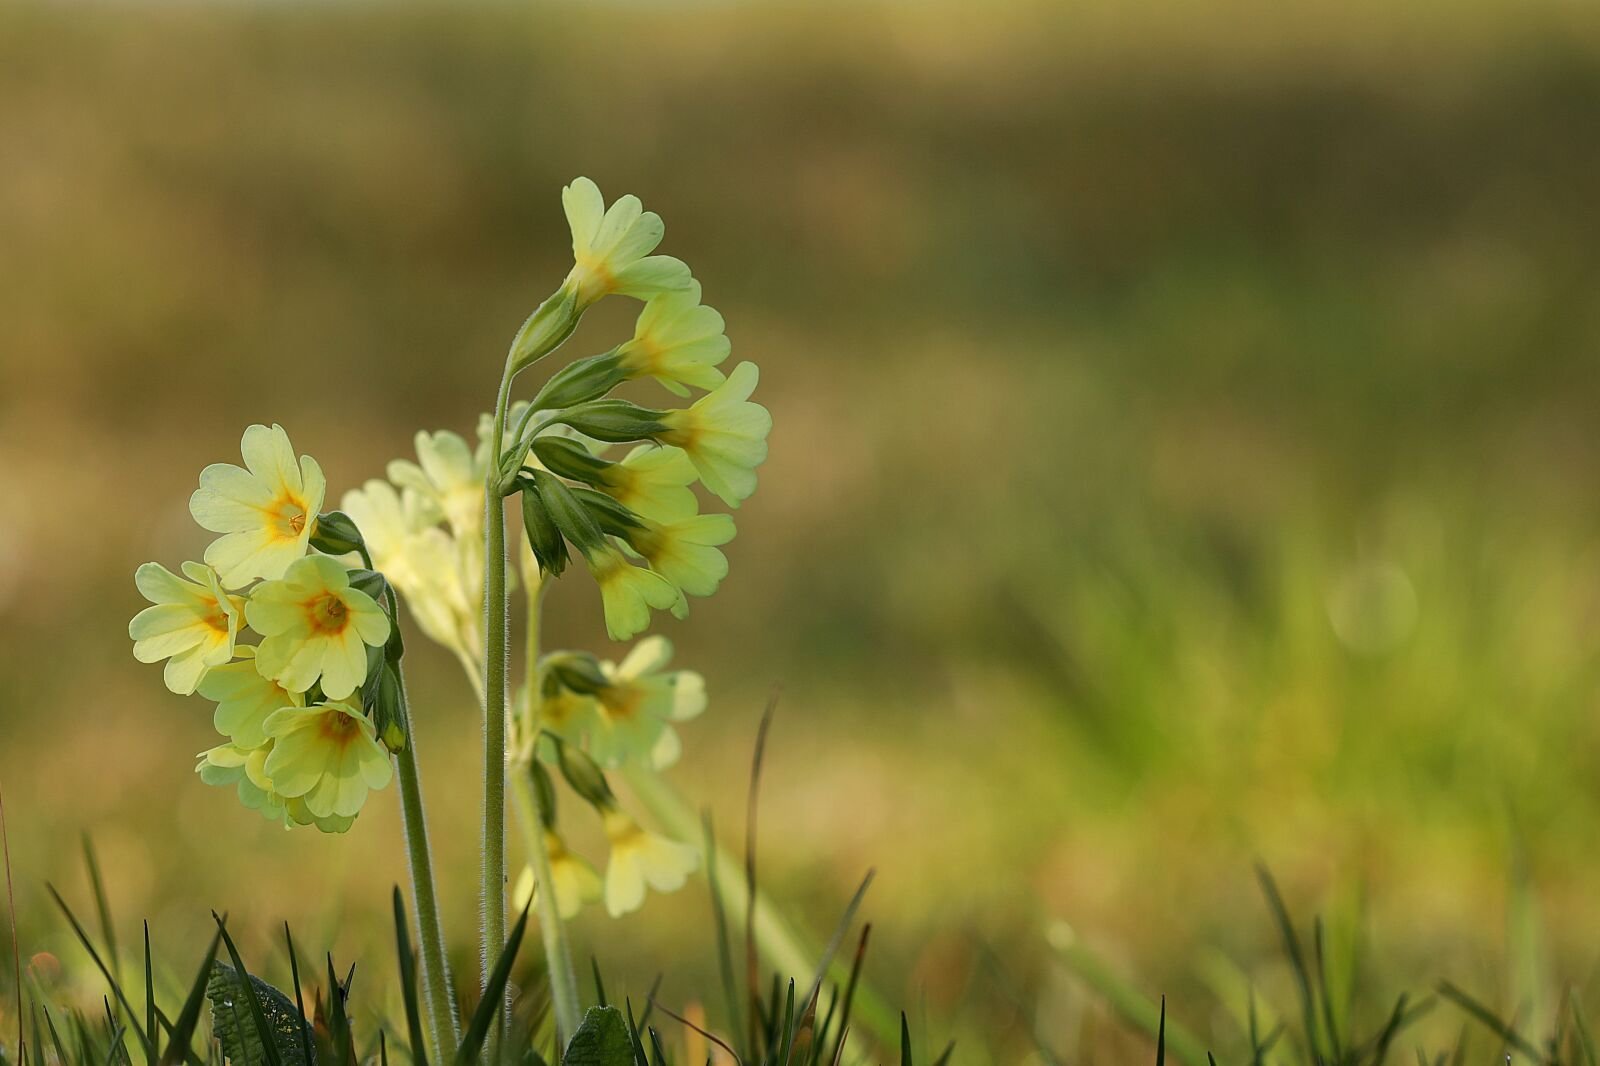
1186, 454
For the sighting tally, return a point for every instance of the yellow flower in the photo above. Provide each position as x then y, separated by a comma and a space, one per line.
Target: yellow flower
244, 699
266, 511
193, 623
640, 702
652, 481
448, 476
611, 248
685, 551
724, 435
314, 624
575, 881
628, 592
326, 755
639, 858
678, 341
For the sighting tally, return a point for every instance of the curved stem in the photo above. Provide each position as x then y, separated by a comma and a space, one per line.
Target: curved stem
496, 634
443, 1023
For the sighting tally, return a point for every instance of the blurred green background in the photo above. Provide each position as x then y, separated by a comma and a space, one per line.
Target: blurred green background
1186, 454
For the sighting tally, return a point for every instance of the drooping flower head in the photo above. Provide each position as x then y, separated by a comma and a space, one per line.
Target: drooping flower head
314, 626
574, 879
266, 510
678, 341
640, 702
327, 756
245, 699
724, 435
611, 247
640, 858
192, 623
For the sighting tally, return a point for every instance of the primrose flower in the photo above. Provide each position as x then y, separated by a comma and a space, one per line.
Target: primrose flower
448, 475
567, 713
640, 702
611, 247
685, 551
652, 481
678, 341
244, 699
314, 625
326, 755
420, 560
628, 592
193, 623
266, 510
724, 435
574, 879
639, 858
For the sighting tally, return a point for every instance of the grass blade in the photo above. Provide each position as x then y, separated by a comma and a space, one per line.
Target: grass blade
299, 996
1297, 961
83, 938
493, 994
1490, 1020
182, 1034
258, 1017
408, 980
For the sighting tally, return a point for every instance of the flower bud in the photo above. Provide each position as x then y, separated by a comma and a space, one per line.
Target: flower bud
568, 458
543, 536
569, 516
380, 700
615, 421
581, 381
546, 329
336, 533
613, 517
369, 581
585, 776
547, 793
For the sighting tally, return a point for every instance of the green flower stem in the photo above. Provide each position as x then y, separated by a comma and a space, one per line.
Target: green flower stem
778, 941
444, 1026
557, 949
496, 636
531, 815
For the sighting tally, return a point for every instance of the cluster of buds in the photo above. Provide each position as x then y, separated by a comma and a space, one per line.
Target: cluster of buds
311, 711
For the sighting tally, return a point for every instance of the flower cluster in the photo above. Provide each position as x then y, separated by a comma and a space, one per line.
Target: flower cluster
298, 709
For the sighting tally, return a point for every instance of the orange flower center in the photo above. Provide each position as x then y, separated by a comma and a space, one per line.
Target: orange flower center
217, 619
289, 517
328, 613
338, 728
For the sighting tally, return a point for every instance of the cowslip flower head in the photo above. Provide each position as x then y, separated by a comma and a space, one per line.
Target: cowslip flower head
326, 755
420, 560
640, 702
678, 341
192, 623
639, 858
611, 247
573, 878
266, 510
245, 699
628, 592
685, 551
313, 624
652, 481
724, 435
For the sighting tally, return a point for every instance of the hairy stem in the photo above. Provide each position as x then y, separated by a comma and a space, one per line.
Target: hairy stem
443, 1024
779, 943
497, 625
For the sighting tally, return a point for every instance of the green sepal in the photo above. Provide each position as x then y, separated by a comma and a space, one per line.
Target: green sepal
543, 537
547, 793
615, 421
578, 671
570, 459
371, 582
570, 517
585, 776
336, 533
581, 381
546, 329
614, 517
380, 699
